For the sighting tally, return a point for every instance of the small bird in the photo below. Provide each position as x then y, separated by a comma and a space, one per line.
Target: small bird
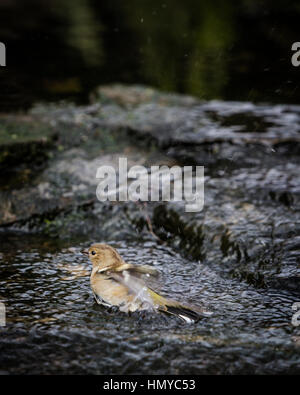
117, 283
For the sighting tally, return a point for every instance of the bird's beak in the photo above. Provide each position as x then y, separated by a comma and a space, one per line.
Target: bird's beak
85, 251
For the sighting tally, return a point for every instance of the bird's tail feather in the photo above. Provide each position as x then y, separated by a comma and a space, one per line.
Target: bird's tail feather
187, 313
183, 312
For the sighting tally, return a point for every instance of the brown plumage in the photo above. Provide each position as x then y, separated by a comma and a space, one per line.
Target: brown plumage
117, 283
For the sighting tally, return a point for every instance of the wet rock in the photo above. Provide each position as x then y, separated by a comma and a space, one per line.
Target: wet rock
249, 226
172, 120
60, 198
24, 141
251, 158
130, 96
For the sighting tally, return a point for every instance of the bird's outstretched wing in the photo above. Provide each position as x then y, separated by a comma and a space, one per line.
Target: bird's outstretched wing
138, 279
144, 274
137, 270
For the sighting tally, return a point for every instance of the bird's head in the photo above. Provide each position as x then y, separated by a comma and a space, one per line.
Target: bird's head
103, 256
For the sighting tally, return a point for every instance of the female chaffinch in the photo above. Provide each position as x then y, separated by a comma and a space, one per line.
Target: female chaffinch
117, 283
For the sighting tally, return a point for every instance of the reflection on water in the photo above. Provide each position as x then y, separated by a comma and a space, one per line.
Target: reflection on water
211, 50
51, 315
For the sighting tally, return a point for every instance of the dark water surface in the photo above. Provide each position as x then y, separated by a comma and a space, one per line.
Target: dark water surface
211, 49
52, 318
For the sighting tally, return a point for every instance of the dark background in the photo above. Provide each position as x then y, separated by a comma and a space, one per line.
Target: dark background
229, 50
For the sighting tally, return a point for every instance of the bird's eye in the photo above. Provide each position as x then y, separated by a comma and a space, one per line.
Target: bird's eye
93, 252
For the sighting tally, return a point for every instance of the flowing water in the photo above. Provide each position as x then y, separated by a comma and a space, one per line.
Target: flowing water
54, 325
